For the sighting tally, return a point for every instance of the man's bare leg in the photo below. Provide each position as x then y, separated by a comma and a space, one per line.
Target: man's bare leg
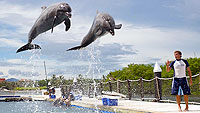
186, 102
178, 100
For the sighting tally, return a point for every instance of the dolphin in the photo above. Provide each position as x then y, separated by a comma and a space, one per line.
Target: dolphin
102, 25
49, 18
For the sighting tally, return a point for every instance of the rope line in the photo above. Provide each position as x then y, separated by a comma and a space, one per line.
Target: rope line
122, 81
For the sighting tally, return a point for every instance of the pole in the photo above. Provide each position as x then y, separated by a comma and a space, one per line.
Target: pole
45, 70
89, 88
110, 86
141, 88
129, 89
118, 86
101, 87
157, 89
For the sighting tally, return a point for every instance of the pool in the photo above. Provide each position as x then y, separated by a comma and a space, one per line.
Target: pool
39, 107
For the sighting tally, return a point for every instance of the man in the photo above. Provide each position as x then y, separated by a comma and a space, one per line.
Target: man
179, 84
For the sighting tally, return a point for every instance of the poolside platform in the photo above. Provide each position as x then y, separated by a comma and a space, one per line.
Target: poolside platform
131, 106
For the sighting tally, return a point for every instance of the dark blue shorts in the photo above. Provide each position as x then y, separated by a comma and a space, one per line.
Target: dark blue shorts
180, 85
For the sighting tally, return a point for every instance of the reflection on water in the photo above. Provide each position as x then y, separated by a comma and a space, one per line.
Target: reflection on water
38, 107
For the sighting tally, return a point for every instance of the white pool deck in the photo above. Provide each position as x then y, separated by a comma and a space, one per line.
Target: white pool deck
131, 106
126, 106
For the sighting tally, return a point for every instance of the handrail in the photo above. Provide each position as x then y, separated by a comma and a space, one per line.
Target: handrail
136, 80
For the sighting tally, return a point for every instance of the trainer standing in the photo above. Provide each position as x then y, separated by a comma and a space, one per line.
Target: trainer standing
179, 84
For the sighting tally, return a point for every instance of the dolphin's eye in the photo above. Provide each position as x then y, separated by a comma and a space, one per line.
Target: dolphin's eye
69, 9
62, 6
103, 18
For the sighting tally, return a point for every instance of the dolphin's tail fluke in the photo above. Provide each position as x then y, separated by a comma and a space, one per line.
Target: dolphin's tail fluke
75, 48
28, 46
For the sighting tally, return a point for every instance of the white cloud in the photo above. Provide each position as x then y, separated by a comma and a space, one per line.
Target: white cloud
18, 15
155, 42
10, 42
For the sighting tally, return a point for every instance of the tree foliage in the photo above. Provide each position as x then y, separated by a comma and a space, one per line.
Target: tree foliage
194, 65
135, 71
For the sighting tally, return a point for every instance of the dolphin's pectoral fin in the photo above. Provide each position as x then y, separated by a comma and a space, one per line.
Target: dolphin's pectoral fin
54, 20
98, 31
118, 26
28, 47
67, 24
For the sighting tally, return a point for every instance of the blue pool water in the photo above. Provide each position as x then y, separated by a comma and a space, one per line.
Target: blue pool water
38, 107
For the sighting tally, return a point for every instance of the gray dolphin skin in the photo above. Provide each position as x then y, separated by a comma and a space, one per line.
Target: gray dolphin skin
49, 18
102, 24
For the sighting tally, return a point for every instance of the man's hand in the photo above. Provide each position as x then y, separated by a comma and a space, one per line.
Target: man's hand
167, 66
167, 63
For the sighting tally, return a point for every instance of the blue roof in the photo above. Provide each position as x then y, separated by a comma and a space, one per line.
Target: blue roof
12, 80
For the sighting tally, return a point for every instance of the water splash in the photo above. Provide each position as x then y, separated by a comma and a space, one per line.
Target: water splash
94, 66
34, 58
94, 61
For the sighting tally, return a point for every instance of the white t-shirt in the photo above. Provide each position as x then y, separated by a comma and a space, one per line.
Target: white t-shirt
179, 67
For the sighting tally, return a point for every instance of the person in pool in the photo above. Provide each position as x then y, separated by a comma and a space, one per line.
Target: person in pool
179, 84
68, 101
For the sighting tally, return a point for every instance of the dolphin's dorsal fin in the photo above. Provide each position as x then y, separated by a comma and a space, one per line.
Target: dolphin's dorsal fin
43, 8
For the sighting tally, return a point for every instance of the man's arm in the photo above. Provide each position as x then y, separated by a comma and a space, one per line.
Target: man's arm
190, 74
167, 66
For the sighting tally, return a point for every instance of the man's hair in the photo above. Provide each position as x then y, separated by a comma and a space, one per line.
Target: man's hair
179, 52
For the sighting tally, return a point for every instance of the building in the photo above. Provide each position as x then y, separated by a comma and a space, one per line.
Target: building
2, 79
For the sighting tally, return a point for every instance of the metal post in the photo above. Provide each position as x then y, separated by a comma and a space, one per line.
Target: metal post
46, 75
158, 86
141, 88
157, 89
89, 88
118, 86
110, 86
101, 87
129, 89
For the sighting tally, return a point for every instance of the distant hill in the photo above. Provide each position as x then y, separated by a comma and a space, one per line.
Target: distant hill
12, 80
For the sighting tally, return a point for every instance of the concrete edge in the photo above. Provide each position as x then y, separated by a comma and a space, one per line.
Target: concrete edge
109, 108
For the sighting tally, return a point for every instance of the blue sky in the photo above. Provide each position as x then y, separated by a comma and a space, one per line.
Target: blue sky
151, 31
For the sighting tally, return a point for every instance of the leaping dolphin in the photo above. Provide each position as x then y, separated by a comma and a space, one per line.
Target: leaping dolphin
102, 24
49, 18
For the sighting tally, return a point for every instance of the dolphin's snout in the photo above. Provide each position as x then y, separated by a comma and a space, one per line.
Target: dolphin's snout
112, 32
